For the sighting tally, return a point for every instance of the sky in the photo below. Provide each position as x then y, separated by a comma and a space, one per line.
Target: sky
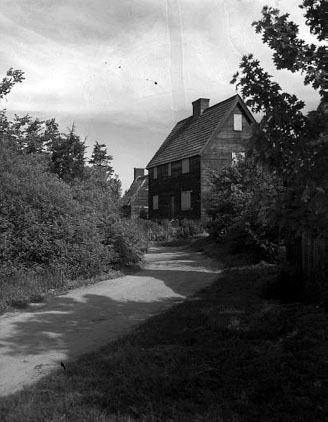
125, 71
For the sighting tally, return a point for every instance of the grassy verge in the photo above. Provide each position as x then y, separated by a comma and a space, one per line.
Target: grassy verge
17, 291
223, 355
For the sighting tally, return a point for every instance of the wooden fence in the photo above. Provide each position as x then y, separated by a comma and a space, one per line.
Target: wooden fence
308, 255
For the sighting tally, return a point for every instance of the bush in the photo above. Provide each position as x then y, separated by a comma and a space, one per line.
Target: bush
47, 223
237, 204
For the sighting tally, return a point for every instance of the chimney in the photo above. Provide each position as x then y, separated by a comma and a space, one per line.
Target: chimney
199, 106
138, 172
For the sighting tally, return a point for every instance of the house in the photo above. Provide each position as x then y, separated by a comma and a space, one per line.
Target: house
135, 201
211, 138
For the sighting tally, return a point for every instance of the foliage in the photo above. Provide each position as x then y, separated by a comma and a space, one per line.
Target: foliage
41, 222
58, 214
236, 204
67, 156
101, 160
290, 144
12, 78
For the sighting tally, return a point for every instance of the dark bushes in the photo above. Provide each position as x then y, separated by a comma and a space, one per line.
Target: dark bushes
237, 206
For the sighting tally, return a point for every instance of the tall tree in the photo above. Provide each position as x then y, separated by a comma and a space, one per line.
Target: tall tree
67, 156
101, 160
290, 143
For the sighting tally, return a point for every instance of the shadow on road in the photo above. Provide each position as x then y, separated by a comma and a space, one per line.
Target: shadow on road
86, 319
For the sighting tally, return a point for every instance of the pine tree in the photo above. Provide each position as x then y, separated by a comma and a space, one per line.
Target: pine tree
101, 160
67, 156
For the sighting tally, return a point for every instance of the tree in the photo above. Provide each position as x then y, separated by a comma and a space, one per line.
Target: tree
67, 156
101, 160
12, 78
289, 143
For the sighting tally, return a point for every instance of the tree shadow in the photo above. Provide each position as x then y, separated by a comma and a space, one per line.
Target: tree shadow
72, 325
86, 319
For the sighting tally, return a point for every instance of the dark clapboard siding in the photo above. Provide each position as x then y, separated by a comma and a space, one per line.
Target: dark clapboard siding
168, 187
208, 139
217, 153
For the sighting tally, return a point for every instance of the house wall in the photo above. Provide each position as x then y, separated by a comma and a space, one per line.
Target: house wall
168, 187
217, 153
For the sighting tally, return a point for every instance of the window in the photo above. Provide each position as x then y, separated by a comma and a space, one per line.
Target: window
155, 202
169, 169
185, 165
237, 156
237, 122
186, 200
155, 172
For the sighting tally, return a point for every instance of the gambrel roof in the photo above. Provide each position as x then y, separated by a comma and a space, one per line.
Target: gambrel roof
189, 136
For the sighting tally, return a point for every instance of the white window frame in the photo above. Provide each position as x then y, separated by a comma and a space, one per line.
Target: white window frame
186, 200
185, 166
155, 202
238, 122
236, 157
169, 169
155, 173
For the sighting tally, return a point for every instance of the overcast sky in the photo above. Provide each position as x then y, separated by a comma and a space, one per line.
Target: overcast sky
126, 70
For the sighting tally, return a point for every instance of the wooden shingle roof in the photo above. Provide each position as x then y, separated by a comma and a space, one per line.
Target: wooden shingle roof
137, 185
189, 136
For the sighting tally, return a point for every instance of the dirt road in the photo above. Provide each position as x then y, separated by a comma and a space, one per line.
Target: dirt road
35, 341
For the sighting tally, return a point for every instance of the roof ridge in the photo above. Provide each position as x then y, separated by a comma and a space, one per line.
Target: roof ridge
189, 136
220, 103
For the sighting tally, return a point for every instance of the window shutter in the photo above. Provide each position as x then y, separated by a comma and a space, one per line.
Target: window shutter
237, 122
185, 165
185, 200
155, 202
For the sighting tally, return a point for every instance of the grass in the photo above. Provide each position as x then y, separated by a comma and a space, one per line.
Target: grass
23, 288
223, 355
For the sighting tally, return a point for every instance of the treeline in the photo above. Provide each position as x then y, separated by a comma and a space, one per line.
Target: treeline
58, 210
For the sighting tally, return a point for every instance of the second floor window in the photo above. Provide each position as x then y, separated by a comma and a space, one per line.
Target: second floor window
169, 169
185, 166
155, 173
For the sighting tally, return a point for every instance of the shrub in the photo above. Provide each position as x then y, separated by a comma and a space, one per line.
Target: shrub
237, 204
47, 223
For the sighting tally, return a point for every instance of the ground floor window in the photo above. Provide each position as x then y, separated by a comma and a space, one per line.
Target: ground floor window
186, 200
155, 202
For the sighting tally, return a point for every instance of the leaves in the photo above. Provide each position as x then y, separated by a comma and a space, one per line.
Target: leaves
12, 78
288, 143
101, 160
291, 52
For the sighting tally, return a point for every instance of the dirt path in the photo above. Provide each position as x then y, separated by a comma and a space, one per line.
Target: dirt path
35, 341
